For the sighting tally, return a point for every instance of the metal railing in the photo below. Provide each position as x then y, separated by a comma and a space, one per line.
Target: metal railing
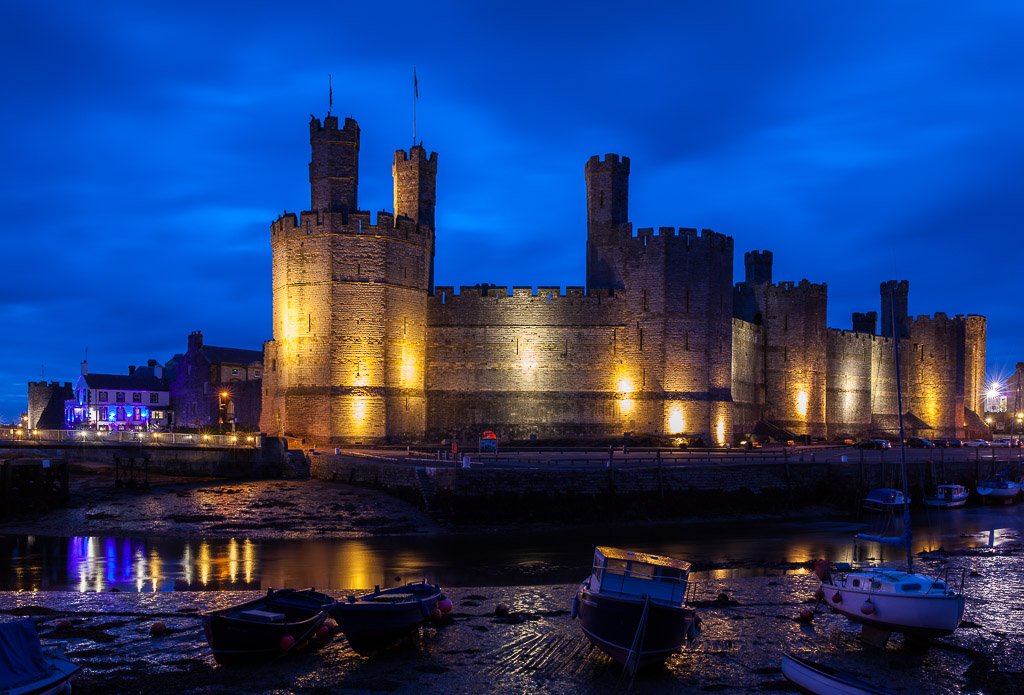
155, 439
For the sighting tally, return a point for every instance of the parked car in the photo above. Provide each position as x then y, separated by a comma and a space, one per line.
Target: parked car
977, 443
1006, 441
955, 443
873, 444
919, 443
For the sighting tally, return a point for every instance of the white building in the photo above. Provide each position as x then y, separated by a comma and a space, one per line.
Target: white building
139, 400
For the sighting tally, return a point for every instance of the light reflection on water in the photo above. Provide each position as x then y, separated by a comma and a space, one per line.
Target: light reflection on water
718, 551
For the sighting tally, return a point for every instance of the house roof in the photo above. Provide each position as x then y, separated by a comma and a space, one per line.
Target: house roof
225, 355
126, 382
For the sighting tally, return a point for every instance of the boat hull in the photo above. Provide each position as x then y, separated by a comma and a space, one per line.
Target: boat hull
611, 623
371, 624
910, 614
55, 682
816, 678
234, 638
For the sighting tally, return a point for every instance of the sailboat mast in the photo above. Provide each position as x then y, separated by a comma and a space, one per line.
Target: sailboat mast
899, 411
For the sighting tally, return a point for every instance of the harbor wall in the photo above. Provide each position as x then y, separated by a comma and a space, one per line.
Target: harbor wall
600, 493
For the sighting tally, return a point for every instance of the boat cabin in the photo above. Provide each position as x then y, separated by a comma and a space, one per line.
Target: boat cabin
950, 492
629, 573
892, 582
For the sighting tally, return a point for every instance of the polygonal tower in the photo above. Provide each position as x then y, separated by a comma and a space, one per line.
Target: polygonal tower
346, 364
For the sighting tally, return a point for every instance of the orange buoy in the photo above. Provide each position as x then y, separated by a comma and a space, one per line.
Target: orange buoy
806, 614
157, 628
819, 594
837, 598
867, 608
445, 605
287, 642
322, 631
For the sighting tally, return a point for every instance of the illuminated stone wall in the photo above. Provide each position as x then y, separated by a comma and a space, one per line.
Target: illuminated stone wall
747, 374
795, 366
349, 305
365, 349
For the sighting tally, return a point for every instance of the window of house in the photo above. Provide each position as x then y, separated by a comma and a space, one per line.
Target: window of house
137, 413
256, 373
103, 413
234, 371
154, 398
119, 396
136, 398
120, 412
102, 395
158, 415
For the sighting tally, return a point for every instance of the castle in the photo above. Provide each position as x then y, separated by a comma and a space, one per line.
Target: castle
366, 349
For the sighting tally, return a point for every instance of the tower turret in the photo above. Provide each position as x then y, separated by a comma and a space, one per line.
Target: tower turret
334, 169
415, 177
898, 303
759, 266
607, 212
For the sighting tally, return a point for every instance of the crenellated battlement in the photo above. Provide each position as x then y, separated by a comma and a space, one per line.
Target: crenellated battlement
542, 294
416, 156
328, 130
788, 287
688, 237
313, 222
610, 162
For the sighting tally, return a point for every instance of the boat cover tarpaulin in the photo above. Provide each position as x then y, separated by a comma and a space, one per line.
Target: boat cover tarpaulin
21, 657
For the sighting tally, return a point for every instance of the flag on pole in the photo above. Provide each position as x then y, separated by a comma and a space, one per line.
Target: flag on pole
330, 94
415, 84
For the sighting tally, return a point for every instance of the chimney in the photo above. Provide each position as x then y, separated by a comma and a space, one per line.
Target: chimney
158, 371
85, 368
131, 369
151, 363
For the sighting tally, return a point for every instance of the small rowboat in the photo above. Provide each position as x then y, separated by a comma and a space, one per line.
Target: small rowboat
384, 617
819, 679
25, 669
267, 627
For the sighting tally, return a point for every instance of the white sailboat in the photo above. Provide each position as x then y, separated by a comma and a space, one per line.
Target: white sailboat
886, 600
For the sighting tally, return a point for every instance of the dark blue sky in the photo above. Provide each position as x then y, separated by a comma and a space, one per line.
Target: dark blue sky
146, 151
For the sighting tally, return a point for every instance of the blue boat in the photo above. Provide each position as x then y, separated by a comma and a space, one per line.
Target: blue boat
384, 617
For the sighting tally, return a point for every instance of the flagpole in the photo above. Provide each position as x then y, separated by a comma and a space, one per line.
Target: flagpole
330, 94
415, 94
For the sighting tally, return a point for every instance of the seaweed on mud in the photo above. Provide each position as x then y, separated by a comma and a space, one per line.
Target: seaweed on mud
194, 518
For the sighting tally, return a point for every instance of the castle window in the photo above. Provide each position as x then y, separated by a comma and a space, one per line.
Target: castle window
273, 365
234, 371
119, 396
785, 354
602, 199
645, 300
103, 395
641, 339
785, 322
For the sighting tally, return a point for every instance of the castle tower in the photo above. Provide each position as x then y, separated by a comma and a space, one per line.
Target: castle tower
759, 266
897, 303
347, 362
415, 176
334, 167
607, 214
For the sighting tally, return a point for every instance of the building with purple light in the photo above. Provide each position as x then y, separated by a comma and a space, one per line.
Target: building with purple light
139, 400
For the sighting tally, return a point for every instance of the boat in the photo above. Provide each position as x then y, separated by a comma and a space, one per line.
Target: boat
999, 487
380, 619
636, 608
885, 499
267, 627
25, 668
884, 599
812, 677
948, 496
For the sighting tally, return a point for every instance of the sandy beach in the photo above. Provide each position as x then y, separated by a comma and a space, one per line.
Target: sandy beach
748, 623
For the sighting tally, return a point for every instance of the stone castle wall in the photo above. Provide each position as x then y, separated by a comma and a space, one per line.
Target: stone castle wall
366, 349
46, 404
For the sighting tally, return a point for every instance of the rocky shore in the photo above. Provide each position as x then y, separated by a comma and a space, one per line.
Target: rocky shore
748, 623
